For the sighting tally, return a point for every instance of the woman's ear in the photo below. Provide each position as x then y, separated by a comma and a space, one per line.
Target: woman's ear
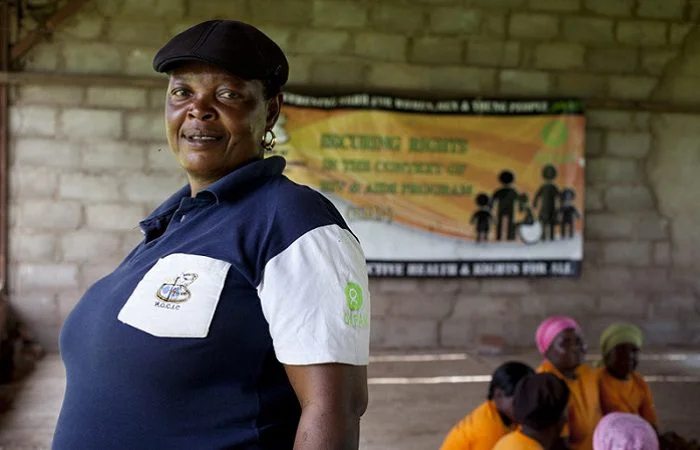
548, 354
497, 394
274, 106
607, 358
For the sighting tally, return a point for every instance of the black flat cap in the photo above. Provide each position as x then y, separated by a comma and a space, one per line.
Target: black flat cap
237, 47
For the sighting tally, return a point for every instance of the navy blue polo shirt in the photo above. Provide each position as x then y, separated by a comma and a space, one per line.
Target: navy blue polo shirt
183, 345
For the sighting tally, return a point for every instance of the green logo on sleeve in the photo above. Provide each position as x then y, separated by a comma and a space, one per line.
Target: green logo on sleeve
353, 296
354, 301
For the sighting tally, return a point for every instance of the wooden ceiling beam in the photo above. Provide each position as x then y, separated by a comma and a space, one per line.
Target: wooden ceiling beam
43, 30
160, 81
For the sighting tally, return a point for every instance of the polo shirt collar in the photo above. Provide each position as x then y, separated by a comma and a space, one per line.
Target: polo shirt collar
243, 179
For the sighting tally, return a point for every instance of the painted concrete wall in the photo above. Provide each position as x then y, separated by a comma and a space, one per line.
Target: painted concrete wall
88, 163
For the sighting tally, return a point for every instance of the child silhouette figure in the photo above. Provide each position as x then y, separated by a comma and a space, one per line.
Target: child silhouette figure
524, 202
506, 198
569, 213
547, 196
482, 218
529, 229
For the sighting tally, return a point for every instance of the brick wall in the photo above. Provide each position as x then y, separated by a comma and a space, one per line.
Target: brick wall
88, 162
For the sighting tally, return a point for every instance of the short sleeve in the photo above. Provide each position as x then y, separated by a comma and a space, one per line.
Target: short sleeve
315, 297
457, 438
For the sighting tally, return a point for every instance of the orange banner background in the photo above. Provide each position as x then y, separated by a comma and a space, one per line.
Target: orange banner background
495, 143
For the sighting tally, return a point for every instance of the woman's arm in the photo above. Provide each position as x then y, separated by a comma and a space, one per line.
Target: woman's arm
459, 437
648, 410
333, 397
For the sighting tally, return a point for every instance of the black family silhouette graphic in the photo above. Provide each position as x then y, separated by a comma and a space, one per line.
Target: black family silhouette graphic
547, 196
529, 230
555, 207
482, 218
505, 198
524, 203
569, 213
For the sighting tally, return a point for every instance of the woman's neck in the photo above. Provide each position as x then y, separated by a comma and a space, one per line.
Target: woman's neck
568, 372
198, 184
617, 376
505, 419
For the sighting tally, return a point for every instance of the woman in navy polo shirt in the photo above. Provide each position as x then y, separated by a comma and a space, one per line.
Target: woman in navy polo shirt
242, 319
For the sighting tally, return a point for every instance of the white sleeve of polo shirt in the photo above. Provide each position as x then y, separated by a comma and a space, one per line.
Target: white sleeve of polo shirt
316, 299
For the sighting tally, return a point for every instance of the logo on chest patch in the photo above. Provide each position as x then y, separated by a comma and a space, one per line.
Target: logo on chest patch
176, 291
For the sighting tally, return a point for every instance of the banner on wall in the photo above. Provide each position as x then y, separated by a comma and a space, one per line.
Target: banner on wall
451, 188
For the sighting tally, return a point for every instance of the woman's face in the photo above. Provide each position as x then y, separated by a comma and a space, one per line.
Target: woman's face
622, 360
567, 350
215, 121
504, 404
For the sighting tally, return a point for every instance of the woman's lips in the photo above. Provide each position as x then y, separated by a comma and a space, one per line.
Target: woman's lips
201, 139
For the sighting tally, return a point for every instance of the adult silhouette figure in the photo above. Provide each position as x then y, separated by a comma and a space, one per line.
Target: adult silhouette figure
506, 198
482, 218
569, 213
547, 197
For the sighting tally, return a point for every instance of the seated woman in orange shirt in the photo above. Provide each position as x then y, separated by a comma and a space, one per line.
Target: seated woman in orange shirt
539, 406
622, 389
493, 419
560, 341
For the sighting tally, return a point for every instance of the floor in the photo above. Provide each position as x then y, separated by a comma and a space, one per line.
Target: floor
414, 398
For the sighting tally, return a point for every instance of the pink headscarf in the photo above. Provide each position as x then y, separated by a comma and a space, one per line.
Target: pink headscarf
622, 431
550, 328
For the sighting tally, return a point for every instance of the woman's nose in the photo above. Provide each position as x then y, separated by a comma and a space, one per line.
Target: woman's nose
201, 109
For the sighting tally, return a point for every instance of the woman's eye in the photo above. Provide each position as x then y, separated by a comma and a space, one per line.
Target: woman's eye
230, 95
179, 92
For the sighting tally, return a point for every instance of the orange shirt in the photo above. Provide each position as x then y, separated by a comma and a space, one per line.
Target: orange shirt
480, 430
584, 404
517, 441
632, 395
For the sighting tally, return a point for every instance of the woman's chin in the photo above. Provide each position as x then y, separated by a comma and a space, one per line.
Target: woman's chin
571, 364
201, 165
